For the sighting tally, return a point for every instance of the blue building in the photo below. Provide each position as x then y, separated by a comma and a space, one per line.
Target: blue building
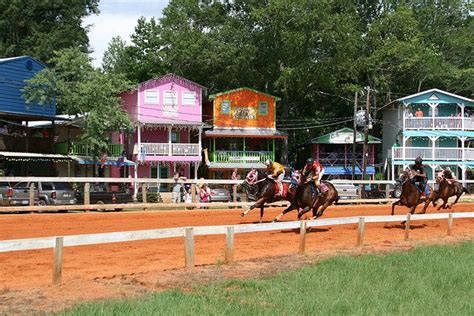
435, 125
25, 148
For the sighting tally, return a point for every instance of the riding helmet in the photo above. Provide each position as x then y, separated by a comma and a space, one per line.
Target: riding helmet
419, 160
309, 161
268, 162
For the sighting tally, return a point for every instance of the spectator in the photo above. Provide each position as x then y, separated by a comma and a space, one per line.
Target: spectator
204, 193
179, 180
419, 113
235, 174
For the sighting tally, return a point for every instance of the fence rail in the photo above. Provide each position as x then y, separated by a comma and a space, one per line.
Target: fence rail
229, 230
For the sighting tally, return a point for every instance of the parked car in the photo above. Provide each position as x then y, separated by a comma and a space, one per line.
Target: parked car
18, 194
346, 191
56, 193
372, 191
219, 194
102, 193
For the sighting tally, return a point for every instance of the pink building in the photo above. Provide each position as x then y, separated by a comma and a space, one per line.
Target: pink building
167, 115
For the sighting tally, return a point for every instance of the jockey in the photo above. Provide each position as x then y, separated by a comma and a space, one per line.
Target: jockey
295, 178
277, 173
252, 176
419, 175
314, 171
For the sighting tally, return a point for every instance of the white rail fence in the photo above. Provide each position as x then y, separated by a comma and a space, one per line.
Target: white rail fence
57, 243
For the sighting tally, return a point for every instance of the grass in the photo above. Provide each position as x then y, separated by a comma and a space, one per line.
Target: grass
434, 280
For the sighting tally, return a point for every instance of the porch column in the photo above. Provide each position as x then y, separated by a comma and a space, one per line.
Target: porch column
463, 174
158, 175
462, 115
393, 170
433, 110
243, 146
433, 146
170, 152
273, 150
199, 140
196, 166
345, 155
463, 150
135, 184
405, 108
433, 173
404, 141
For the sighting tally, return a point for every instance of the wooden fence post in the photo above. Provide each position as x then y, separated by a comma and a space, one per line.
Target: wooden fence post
144, 191
32, 194
360, 231
302, 237
193, 193
229, 245
189, 248
407, 226
450, 224
234, 193
87, 190
58, 260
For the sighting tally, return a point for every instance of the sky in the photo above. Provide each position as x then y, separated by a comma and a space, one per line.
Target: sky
118, 18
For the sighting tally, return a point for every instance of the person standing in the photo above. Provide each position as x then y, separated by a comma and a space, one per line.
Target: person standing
179, 180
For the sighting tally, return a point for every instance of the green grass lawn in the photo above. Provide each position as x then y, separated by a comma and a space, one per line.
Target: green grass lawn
427, 281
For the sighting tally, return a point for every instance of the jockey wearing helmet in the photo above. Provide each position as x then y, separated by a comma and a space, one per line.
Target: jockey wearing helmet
314, 171
277, 173
419, 174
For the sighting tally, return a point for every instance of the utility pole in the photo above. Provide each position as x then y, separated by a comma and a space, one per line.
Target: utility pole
354, 136
366, 140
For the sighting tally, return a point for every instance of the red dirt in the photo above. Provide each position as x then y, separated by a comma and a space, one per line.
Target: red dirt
134, 267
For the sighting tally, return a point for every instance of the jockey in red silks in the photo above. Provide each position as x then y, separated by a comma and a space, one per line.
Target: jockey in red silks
314, 171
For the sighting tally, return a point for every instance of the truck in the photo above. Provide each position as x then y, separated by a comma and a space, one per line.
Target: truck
104, 193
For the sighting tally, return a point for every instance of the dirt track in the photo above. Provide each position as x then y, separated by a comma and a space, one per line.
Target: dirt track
86, 265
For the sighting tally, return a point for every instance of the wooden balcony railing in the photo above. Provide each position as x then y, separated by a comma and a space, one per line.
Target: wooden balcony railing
163, 149
83, 149
241, 156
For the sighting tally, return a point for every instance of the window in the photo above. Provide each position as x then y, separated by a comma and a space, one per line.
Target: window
46, 186
164, 171
174, 137
189, 98
225, 107
263, 108
151, 97
170, 98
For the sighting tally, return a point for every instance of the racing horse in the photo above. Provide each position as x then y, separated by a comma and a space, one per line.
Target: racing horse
445, 190
321, 203
411, 195
265, 192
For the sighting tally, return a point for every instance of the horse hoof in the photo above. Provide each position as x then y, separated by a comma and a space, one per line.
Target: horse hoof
242, 214
275, 221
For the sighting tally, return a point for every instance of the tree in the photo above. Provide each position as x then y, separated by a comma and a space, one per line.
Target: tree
37, 28
79, 88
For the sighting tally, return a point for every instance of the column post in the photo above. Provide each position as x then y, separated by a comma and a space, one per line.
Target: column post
170, 152
462, 115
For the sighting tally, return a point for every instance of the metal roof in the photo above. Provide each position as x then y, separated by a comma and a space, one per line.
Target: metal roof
212, 96
343, 136
435, 96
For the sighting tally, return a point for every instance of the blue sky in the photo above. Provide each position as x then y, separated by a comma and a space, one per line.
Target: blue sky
118, 18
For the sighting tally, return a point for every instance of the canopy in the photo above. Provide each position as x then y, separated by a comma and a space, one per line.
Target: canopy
108, 162
343, 136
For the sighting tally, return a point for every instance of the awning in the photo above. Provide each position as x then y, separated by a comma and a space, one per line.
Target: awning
246, 132
108, 162
341, 170
32, 156
243, 165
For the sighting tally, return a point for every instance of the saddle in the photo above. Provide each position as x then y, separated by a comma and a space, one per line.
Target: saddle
285, 190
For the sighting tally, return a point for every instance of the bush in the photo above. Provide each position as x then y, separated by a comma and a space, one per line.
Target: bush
151, 197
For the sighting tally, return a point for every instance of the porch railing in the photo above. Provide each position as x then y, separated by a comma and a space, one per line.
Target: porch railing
83, 149
163, 149
242, 156
440, 153
442, 123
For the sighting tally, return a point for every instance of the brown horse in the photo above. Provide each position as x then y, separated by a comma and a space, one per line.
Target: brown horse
410, 196
265, 193
445, 191
321, 203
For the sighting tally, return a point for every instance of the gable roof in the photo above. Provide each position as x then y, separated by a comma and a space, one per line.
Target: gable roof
212, 96
435, 96
17, 58
334, 137
171, 76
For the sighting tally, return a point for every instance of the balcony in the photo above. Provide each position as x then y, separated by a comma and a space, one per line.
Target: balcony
242, 156
83, 149
439, 123
166, 149
439, 154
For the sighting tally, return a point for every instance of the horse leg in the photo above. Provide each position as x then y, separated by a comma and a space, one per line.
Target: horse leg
393, 205
288, 209
303, 211
260, 202
443, 206
320, 212
455, 201
261, 214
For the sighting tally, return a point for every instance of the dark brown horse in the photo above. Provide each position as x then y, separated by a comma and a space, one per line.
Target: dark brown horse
321, 203
265, 193
410, 196
302, 197
446, 189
